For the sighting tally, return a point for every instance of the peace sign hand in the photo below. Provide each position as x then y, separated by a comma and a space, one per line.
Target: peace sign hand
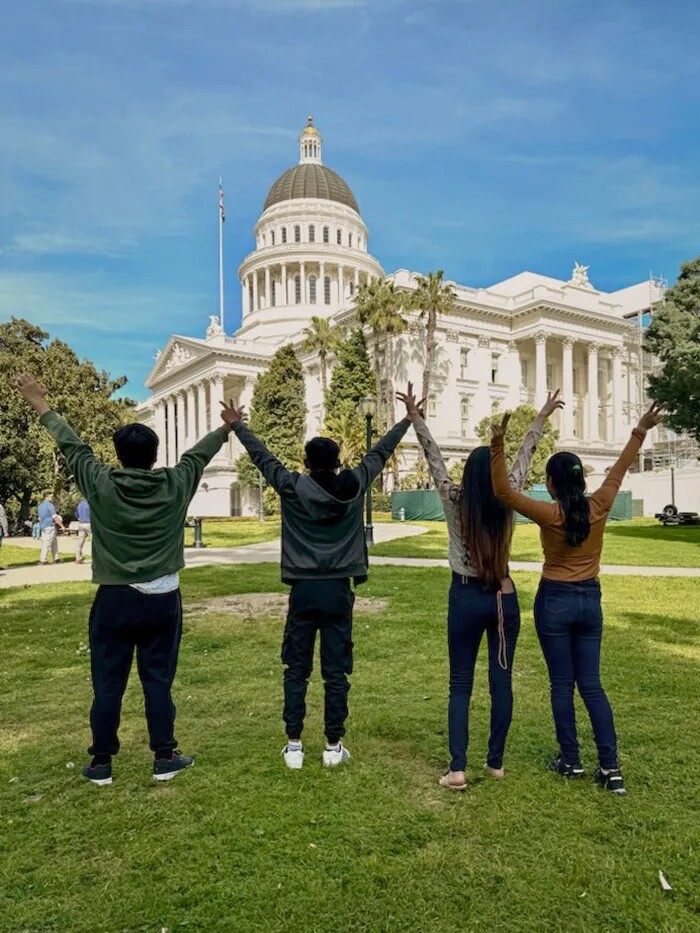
498, 431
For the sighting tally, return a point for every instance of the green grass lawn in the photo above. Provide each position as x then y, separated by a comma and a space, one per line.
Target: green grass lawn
640, 542
241, 844
13, 556
235, 532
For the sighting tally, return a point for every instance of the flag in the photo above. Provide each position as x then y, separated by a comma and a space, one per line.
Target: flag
221, 203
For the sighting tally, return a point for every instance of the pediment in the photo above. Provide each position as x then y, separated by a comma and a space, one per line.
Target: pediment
177, 353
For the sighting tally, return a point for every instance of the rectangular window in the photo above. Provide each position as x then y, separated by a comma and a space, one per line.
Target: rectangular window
284, 234
272, 238
464, 362
464, 411
494, 367
350, 240
326, 235
339, 237
312, 290
297, 289
312, 234
524, 373
297, 234
273, 293
577, 381
550, 375
327, 290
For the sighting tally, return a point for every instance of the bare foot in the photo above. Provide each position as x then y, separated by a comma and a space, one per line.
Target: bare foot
495, 772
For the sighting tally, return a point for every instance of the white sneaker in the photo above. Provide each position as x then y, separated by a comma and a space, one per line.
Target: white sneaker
335, 756
293, 757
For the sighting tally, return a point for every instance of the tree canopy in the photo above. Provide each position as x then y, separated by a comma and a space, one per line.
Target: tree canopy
351, 380
29, 461
519, 424
674, 337
278, 417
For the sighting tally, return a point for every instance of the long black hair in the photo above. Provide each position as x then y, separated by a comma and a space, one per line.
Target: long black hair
487, 524
565, 471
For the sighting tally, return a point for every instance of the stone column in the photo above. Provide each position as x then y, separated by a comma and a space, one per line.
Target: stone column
341, 285
268, 302
191, 420
593, 405
567, 388
201, 410
513, 374
181, 425
618, 399
244, 297
159, 417
216, 395
540, 369
285, 296
256, 302
357, 279
171, 455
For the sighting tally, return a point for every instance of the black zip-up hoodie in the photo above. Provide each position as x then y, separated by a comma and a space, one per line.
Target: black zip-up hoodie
322, 529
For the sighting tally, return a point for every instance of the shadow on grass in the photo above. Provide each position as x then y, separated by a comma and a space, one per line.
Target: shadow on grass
674, 534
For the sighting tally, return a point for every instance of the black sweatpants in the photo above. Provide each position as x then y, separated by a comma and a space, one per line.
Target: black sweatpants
122, 621
324, 606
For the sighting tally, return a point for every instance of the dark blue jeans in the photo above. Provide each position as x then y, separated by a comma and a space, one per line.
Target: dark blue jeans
569, 623
473, 611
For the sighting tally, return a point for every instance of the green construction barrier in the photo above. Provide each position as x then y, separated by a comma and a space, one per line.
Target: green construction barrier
425, 505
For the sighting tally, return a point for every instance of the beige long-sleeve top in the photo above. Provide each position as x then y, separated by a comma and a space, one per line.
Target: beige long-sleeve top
450, 493
561, 561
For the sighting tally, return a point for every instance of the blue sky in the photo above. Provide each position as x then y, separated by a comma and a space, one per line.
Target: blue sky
480, 137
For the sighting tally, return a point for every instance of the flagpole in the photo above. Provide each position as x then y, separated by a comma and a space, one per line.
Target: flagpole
221, 255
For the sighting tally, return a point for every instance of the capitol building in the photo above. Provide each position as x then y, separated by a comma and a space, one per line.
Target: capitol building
505, 344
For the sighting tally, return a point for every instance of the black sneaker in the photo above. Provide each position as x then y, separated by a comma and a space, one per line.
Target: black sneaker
165, 769
99, 774
559, 766
611, 781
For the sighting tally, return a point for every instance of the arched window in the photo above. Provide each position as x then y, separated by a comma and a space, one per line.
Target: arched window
464, 411
297, 289
327, 290
284, 234
312, 289
273, 293
350, 240
339, 237
326, 235
297, 234
312, 234
272, 238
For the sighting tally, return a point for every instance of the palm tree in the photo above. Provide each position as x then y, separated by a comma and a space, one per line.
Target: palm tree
432, 299
321, 338
379, 307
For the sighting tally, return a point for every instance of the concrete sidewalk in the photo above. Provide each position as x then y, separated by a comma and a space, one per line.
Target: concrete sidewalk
268, 552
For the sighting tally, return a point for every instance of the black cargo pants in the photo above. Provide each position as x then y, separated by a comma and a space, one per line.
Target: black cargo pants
324, 606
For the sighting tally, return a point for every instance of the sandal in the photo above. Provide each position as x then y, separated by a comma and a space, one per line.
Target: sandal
445, 781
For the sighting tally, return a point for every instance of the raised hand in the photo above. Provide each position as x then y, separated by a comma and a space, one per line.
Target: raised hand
498, 431
232, 414
414, 409
34, 392
552, 404
652, 417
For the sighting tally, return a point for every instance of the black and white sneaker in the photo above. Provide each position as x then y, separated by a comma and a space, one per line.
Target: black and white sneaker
100, 774
571, 772
612, 781
165, 769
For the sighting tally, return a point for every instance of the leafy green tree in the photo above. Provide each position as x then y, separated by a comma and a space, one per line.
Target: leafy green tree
433, 299
674, 337
278, 417
379, 307
29, 461
321, 338
351, 380
520, 421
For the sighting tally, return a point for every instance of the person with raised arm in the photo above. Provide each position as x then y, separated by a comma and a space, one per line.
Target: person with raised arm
482, 595
568, 613
137, 517
323, 550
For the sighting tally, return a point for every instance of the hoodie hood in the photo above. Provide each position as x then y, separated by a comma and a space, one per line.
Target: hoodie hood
319, 503
137, 484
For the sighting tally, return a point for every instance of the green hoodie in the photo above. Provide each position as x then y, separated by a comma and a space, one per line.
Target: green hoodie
137, 516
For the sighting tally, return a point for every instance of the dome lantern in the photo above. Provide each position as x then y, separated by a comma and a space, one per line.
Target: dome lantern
310, 143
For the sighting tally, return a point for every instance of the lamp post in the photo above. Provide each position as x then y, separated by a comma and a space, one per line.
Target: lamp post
368, 408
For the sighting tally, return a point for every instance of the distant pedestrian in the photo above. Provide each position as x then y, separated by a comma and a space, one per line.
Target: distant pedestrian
36, 529
48, 523
4, 528
82, 513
